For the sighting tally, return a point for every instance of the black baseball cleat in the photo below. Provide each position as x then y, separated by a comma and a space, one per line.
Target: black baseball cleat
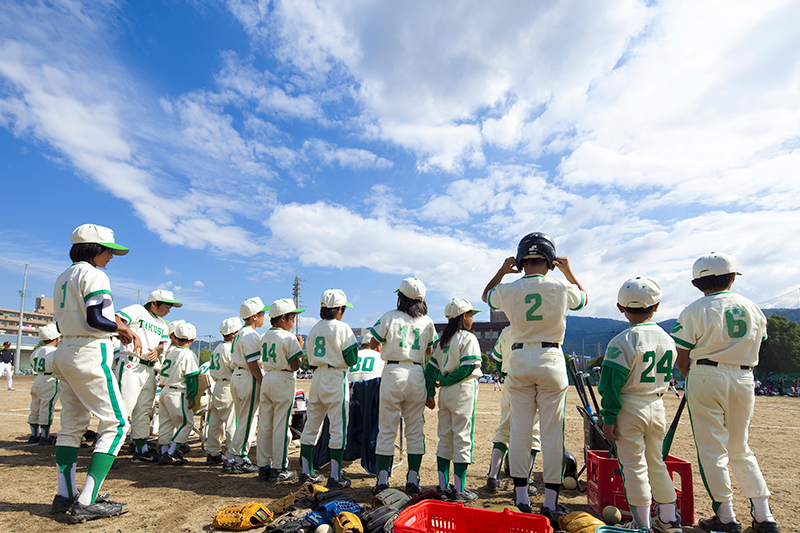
147, 457
287, 475
465, 495
33, 439
492, 485
524, 507
715, 524
244, 468
379, 487
341, 483
412, 489
61, 504
227, 466
310, 478
213, 459
554, 514
48, 441
766, 527
81, 513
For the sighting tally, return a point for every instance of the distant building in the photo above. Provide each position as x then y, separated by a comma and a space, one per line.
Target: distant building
487, 333
31, 321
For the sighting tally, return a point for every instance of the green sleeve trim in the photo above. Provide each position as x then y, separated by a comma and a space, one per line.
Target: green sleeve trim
489, 298
612, 379
764, 338
431, 377
471, 358
435, 338
295, 356
582, 304
350, 355
682, 343
375, 334
497, 356
253, 357
457, 376
95, 293
192, 385
125, 316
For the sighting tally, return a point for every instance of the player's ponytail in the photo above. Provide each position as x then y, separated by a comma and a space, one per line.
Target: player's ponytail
411, 307
453, 325
85, 252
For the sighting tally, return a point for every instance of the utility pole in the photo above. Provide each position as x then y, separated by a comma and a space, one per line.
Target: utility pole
21, 315
296, 296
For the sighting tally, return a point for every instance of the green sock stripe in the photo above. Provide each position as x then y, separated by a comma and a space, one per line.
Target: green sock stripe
500, 446
563, 444
472, 421
113, 397
533, 460
99, 466
45, 431
286, 438
140, 444
307, 452
249, 422
414, 462
385, 463
50, 406
443, 466
336, 455
460, 471
345, 385
34, 429
66, 459
183, 417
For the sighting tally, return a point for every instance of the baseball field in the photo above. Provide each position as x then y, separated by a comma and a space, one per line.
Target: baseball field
184, 499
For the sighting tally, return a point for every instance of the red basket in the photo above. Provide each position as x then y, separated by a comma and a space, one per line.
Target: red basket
604, 486
431, 516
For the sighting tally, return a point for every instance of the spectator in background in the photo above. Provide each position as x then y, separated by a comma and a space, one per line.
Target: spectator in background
7, 363
768, 385
780, 386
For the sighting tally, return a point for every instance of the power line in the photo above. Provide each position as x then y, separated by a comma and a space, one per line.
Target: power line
793, 291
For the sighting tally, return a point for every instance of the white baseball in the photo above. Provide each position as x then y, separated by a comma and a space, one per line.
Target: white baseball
324, 528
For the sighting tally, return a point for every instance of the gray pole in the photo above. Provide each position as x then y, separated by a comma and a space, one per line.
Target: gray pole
21, 314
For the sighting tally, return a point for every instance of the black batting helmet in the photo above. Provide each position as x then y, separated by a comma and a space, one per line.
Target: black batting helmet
536, 245
570, 465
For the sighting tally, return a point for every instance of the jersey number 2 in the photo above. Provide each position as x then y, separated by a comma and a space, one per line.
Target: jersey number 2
537, 302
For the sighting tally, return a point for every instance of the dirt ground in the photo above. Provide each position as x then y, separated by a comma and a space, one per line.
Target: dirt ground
184, 499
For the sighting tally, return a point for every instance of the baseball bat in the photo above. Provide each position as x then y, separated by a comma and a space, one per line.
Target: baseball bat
612, 450
671, 431
591, 391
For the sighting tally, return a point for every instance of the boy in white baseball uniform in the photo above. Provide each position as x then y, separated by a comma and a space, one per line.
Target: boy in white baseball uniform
84, 311
179, 373
501, 353
221, 418
332, 349
536, 306
407, 335
137, 382
44, 391
718, 338
635, 374
245, 384
456, 365
281, 355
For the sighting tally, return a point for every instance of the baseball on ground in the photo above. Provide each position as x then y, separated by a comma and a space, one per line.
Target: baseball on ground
611, 515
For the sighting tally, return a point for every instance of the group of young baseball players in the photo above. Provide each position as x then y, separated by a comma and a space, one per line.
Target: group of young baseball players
714, 344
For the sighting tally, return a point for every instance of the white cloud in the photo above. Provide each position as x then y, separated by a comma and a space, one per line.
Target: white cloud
199, 283
354, 158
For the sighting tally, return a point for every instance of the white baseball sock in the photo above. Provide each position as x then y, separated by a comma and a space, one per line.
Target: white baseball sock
761, 510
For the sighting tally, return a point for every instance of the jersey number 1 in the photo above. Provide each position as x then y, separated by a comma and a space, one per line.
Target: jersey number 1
403, 330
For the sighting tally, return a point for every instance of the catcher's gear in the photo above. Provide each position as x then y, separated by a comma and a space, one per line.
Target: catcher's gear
294, 521
331, 510
570, 465
579, 522
307, 490
347, 523
392, 497
536, 245
381, 519
241, 517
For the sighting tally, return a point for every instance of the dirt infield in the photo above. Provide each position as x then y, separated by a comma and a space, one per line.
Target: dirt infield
169, 499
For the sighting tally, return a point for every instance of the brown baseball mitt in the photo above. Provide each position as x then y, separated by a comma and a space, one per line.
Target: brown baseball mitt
347, 523
579, 522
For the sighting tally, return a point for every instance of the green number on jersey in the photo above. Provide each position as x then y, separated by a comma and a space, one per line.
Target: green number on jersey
416, 333
167, 364
319, 347
369, 364
214, 365
734, 319
356, 366
537, 302
38, 364
271, 353
63, 294
664, 366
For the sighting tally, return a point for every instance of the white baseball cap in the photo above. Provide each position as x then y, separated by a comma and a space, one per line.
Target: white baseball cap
714, 264
284, 306
231, 325
458, 306
161, 295
639, 293
49, 332
333, 298
412, 288
251, 306
91, 233
366, 338
173, 325
186, 331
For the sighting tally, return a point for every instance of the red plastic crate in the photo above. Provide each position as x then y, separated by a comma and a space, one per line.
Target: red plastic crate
604, 486
431, 516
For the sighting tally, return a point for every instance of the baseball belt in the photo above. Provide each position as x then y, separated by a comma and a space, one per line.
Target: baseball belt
520, 345
141, 361
398, 362
709, 362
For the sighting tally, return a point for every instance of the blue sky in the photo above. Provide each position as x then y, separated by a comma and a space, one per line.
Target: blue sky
235, 144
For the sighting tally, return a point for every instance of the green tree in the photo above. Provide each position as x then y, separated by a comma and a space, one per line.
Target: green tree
487, 364
780, 353
205, 355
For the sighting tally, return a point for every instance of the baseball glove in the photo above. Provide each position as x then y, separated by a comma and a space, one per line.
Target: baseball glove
579, 522
307, 490
331, 510
392, 497
241, 517
347, 523
381, 519
332, 496
292, 522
